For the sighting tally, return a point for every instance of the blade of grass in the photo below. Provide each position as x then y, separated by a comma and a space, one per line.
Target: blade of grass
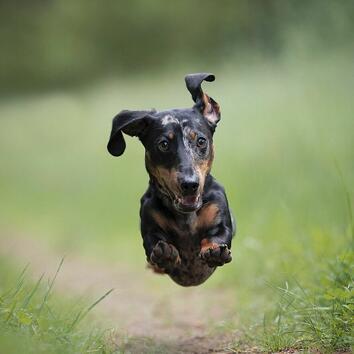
348, 199
83, 313
18, 285
34, 290
50, 287
12, 309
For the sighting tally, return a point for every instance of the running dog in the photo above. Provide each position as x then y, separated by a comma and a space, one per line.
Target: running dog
186, 223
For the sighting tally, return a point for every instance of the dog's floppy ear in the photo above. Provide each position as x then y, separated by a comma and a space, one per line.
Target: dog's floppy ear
133, 123
205, 104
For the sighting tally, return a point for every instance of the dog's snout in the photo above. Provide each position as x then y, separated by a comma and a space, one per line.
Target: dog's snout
189, 185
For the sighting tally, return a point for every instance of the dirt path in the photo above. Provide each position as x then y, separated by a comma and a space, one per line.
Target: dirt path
148, 314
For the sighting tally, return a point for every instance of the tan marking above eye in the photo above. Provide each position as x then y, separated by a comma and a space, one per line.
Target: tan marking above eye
189, 133
192, 135
170, 135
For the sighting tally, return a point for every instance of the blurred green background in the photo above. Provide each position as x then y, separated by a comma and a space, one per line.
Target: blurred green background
51, 44
284, 147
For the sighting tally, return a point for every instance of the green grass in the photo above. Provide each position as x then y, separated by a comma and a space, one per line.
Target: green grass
33, 321
319, 317
285, 128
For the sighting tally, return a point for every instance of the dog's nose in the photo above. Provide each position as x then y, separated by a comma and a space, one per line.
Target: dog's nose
189, 185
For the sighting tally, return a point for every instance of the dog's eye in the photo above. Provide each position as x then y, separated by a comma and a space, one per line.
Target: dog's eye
201, 142
163, 145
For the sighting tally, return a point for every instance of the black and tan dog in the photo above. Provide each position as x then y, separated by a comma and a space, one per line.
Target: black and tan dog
186, 223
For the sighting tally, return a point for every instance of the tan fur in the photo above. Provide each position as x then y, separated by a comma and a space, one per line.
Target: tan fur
211, 109
163, 222
166, 178
192, 135
207, 216
170, 135
206, 245
160, 220
155, 268
203, 168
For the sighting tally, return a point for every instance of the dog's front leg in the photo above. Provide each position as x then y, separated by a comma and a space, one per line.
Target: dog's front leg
161, 254
215, 248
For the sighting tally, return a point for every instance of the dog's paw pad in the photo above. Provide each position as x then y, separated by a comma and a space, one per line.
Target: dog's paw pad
165, 255
216, 255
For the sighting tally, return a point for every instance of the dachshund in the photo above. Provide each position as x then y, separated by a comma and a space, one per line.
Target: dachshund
186, 224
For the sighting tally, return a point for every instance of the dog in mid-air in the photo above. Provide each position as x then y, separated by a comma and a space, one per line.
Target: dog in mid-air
186, 223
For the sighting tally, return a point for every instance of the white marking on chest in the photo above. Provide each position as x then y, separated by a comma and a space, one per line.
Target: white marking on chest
168, 119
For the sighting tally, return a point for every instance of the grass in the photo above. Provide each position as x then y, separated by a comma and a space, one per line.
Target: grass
32, 321
285, 129
319, 317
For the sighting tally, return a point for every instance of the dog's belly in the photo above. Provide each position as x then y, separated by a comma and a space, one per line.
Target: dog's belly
192, 270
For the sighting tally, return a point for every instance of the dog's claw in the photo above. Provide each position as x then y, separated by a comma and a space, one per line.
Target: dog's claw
216, 256
165, 256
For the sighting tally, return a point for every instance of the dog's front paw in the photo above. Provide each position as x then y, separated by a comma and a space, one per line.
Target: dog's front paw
214, 254
165, 256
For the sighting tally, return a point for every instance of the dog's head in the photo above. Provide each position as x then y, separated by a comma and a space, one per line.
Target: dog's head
178, 144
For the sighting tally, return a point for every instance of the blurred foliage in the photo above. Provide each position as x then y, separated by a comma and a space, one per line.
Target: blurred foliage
54, 43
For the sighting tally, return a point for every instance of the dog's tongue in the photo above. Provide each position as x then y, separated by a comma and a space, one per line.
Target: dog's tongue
189, 200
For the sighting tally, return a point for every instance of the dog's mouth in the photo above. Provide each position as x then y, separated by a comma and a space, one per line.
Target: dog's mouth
183, 203
188, 203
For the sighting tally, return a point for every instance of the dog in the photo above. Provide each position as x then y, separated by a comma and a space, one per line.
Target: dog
186, 223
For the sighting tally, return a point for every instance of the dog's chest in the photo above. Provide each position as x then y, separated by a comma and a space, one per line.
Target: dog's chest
191, 226
192, 269
188, 231
187, 234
